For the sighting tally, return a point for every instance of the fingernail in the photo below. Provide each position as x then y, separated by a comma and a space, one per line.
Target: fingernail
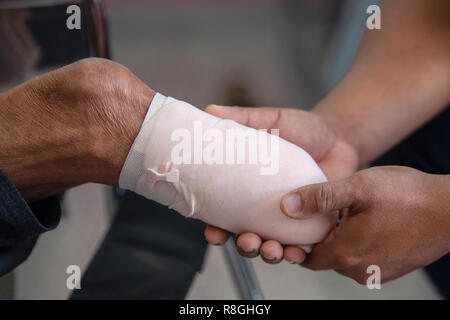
291, 204
271, 260
249, 251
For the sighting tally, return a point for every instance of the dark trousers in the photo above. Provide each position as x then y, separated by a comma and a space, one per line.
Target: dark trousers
150, 252
428, 150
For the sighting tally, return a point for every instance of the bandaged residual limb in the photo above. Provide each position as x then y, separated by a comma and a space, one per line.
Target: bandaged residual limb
221, 172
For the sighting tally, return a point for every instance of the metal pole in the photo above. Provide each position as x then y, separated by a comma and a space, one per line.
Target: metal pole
242, 272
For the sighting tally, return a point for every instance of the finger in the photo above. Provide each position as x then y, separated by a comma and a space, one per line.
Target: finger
248, 244
215, 235
338, 252
271, 252
322, 197
258, 118
322, 257
294, 255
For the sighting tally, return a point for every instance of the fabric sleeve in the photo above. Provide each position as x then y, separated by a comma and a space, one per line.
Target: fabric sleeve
21, 224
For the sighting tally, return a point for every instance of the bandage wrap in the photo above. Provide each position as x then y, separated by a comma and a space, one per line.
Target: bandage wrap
235, 197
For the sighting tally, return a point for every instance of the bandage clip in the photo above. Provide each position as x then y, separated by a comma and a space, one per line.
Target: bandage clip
169, 175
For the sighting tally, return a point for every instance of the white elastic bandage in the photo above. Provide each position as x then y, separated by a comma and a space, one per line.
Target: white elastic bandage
240, 196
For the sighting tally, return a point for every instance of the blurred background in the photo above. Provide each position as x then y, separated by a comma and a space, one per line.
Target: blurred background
255, 53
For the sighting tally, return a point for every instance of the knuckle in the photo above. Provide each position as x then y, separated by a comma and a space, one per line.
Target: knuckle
359, 179
361, 185
324, 198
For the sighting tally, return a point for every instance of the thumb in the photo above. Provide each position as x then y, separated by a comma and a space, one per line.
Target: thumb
319, 198
257, 118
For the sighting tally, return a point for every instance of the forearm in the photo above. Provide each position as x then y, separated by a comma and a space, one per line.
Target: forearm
437, 205
38, 146
71, 126
399, 80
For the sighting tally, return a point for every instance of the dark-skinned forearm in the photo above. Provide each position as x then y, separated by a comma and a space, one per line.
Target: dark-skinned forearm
399, 80
437, 204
